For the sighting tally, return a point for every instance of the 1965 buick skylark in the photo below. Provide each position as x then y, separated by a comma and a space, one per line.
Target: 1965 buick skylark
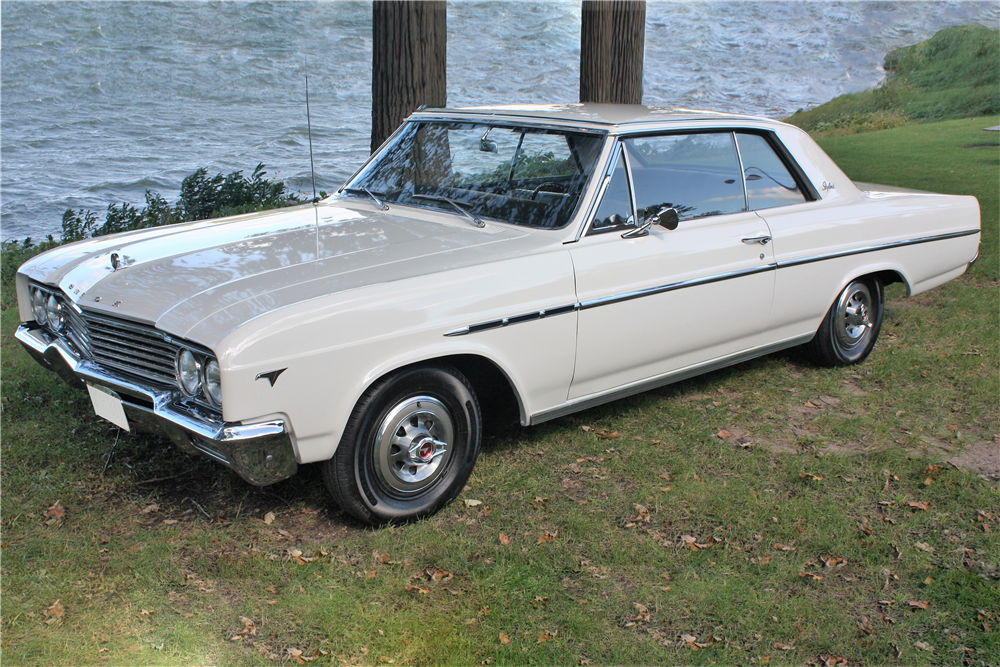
547, 257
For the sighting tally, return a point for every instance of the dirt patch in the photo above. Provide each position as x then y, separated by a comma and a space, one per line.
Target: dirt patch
981, 459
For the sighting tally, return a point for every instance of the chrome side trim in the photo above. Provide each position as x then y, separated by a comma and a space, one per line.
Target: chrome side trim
517, 319
876, 248
649, 291
662, 380
670, 287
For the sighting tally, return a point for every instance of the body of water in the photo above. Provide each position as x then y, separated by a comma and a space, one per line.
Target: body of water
100, 101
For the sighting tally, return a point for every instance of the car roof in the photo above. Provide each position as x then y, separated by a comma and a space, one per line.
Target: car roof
606, 116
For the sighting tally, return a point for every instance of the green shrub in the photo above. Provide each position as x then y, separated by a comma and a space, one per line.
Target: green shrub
201, 197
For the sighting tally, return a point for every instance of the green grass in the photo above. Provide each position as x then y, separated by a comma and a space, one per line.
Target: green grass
952, 75
203, 580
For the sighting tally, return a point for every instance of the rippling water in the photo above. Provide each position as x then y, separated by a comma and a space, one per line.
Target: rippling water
102, 100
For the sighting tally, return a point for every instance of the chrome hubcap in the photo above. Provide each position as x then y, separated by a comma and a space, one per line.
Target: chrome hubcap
854, 316
413, 444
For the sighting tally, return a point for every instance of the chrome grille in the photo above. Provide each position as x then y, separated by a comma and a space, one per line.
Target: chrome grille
134, 348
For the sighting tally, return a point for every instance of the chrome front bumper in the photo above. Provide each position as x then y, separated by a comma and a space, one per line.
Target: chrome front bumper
260, 453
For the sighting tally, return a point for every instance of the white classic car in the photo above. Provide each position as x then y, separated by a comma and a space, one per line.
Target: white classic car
547, 258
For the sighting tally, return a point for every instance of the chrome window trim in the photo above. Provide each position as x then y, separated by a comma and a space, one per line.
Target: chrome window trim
743, 173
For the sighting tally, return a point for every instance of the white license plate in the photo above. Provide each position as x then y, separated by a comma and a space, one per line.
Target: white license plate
108, 404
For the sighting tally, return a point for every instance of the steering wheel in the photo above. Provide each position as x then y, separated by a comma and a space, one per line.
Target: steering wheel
561, 189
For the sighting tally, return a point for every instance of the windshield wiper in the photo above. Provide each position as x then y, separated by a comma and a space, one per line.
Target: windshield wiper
458, 207
366, 191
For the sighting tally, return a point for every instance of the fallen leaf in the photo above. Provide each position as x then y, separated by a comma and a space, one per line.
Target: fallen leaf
547, 537
170, 522
150, 508
604, 435
815, 577
920, 604
928, 481
473, 503
548, 636
920, 505
923, 546
417, 589
56, 611
928, 581
504, 638
924, 646
269, 518
504, 540
815, 478
585, 429
723, 434
783, 647
782, 547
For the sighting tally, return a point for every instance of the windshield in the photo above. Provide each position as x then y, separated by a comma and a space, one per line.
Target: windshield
523, 175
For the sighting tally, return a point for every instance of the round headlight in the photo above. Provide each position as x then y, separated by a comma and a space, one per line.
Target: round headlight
213, 382
188, 372
53, 313
38, 305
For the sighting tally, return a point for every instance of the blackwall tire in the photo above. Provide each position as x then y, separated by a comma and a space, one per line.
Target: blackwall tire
409, 447
848, 333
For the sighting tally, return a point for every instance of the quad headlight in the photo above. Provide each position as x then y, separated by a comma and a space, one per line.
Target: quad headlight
199, 375
188, 372
213, 382
54, 313
38, 298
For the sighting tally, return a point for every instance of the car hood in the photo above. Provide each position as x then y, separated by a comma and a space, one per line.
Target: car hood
180, 275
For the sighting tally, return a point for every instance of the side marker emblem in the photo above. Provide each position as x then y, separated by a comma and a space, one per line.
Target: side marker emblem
271, 376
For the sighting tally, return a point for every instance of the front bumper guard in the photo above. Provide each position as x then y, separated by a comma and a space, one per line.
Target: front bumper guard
261, 453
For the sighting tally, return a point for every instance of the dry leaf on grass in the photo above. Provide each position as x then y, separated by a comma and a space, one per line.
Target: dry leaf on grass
923, 546
269, 518
815, 478
604, 435
504, 638
473, 503
170, 522
919, 604
504, 539
55, 612
417, 589
548, 636
783, 647
920, 505
56, 512
723, 434
547, 537
782, 547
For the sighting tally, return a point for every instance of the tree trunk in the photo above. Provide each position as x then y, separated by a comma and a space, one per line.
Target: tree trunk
612, 40
409, 61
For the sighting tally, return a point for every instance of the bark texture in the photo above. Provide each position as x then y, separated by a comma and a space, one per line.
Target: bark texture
612, 43
409, 61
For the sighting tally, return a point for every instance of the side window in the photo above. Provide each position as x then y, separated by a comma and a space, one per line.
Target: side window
697, 174
769, 183
615, 209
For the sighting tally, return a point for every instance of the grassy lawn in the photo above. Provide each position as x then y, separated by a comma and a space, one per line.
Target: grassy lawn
770, 513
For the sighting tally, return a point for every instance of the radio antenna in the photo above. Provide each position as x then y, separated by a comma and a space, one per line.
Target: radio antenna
312, 164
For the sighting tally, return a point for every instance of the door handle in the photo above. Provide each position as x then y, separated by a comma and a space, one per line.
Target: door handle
757, 239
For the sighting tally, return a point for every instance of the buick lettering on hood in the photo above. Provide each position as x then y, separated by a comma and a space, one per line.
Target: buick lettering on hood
542, 259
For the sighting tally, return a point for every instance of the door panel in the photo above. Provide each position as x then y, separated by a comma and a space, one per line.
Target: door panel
708, 294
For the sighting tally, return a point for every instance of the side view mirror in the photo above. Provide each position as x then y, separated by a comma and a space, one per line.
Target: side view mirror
667, 217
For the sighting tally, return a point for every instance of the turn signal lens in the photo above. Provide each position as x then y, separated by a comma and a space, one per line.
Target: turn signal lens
213, 382
188, 372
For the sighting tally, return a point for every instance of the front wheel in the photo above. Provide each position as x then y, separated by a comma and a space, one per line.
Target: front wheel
409, 447
851, 327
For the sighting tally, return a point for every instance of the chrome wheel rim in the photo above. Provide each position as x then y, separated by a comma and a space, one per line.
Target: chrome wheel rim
854, 313
413, 444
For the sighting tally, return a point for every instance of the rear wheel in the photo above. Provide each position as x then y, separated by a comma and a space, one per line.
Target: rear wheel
409, 446
851, 327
